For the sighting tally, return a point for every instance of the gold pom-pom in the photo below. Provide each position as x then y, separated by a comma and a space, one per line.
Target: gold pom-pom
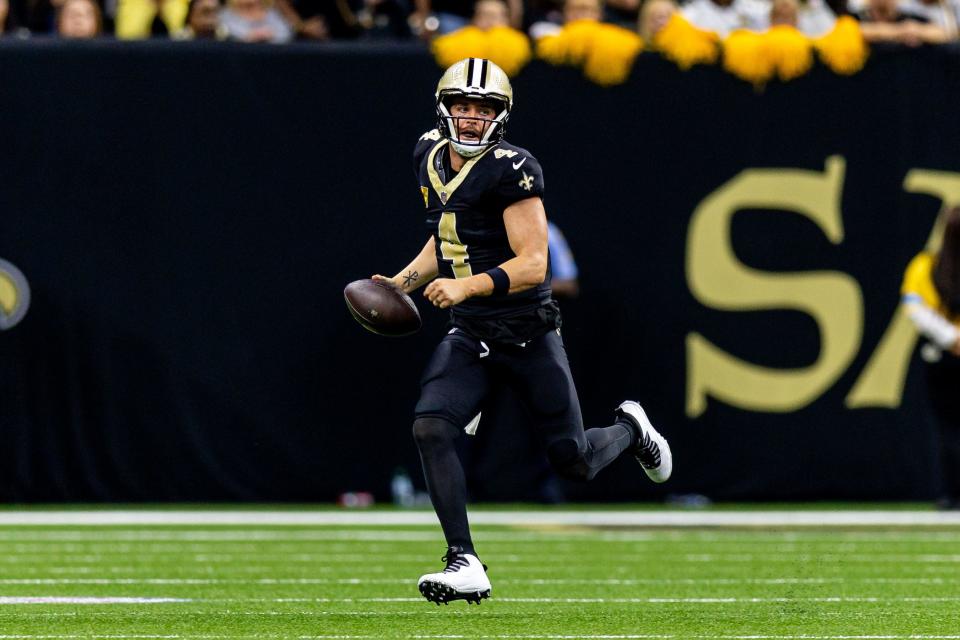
606, 52
552, 48
506, 47
790, 50
685, 44
468, 42
579, 37
509, 49
610, 59
747, 55
843, 49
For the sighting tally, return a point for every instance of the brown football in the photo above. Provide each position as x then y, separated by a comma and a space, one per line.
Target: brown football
382, 308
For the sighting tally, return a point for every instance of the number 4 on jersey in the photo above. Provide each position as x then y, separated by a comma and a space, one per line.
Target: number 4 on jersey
451, 248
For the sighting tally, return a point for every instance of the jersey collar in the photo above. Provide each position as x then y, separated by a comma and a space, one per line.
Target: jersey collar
445, 191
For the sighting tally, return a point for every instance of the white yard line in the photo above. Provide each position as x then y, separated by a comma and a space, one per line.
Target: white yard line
510, 518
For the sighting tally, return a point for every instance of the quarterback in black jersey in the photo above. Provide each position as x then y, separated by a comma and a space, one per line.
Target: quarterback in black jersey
486, 260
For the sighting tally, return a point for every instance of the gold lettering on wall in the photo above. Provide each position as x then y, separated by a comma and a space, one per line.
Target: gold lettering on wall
720, 281
881, 383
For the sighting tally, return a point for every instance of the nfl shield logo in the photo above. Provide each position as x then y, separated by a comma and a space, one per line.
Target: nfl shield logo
443, 197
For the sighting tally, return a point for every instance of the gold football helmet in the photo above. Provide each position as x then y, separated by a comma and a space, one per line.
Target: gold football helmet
481, 80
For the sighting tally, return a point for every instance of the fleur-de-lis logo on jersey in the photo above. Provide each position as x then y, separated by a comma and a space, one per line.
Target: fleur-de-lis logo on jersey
526, 182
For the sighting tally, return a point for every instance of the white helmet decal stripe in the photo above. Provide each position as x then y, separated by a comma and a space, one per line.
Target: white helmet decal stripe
477, 73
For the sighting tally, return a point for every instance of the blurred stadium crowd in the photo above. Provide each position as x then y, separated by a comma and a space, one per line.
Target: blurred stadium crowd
909, 22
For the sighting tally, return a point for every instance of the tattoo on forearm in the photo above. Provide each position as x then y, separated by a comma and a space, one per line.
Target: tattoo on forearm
410, 278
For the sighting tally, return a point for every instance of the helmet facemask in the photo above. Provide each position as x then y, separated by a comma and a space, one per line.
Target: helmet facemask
491, 130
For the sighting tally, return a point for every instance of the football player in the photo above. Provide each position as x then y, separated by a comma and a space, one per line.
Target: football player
486, 260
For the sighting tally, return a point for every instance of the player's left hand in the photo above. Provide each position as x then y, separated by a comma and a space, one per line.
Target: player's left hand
446, 292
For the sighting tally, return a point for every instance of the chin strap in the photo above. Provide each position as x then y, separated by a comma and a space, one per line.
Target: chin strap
468, 151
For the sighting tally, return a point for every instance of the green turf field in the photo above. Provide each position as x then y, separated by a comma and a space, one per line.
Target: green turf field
265, 581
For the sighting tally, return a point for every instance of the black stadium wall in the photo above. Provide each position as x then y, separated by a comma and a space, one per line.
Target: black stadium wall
186, 217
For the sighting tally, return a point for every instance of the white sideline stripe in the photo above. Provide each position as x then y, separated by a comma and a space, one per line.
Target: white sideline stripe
514, 518
336, 562
139, 535
489, 637
534, 560
839, 599
16, 537
520, 581
85, 600
827, 599
21, 600
529, 581
154, 615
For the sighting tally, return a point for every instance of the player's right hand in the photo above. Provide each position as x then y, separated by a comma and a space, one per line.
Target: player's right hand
446, 292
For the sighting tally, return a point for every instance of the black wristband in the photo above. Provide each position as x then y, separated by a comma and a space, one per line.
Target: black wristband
501, 281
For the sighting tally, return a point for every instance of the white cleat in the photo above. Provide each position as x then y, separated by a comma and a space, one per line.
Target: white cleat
465, 578
652, 450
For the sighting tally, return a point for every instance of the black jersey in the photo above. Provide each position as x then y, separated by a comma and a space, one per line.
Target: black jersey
465, 216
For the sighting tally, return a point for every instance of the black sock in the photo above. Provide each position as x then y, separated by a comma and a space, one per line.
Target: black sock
607, 443
632, 428
445, 478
